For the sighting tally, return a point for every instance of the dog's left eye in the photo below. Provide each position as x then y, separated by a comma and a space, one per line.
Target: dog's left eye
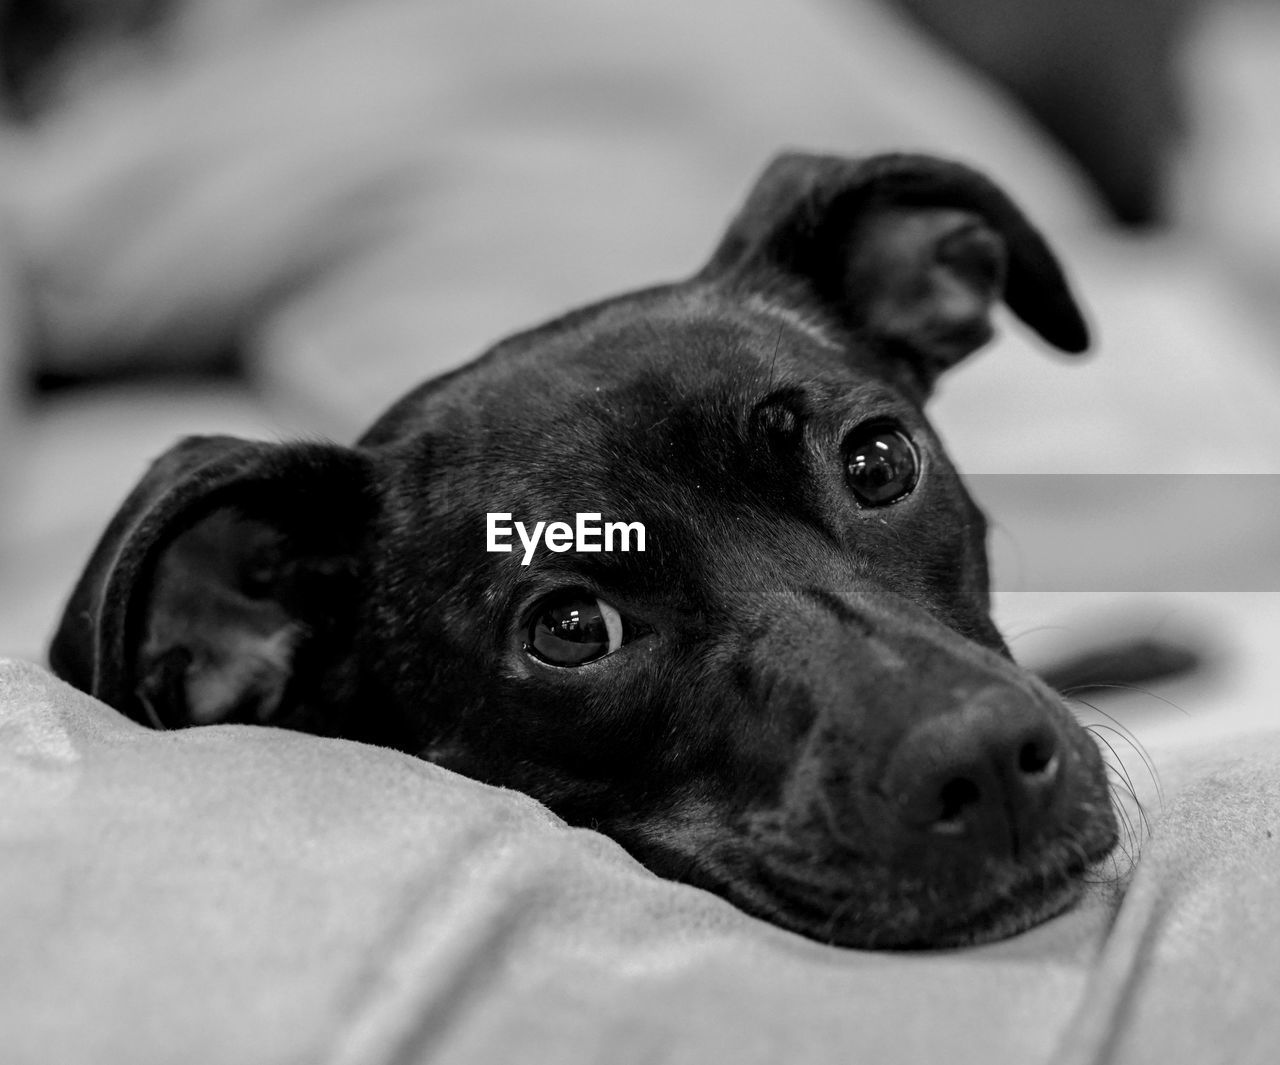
574, 628
881, 464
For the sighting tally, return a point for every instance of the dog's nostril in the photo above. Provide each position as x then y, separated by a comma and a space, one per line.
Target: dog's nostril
1038, 757
955, 797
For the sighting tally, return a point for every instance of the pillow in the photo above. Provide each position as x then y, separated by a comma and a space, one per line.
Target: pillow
238, 894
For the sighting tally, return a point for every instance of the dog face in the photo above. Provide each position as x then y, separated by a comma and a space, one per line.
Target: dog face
793, 696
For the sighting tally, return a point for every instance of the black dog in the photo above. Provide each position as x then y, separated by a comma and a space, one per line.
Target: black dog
794, 696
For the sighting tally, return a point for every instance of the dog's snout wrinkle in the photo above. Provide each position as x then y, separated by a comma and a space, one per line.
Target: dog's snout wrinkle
839, 609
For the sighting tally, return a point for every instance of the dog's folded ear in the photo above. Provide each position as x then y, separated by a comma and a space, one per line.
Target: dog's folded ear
226, 588
909, 252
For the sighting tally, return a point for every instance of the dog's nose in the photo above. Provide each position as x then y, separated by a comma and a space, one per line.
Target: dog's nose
984, 779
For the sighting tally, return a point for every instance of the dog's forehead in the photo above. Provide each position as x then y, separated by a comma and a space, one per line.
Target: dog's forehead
669, 359
658, 409
629, 364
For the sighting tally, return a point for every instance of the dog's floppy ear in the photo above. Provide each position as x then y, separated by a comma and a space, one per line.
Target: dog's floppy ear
226, 588
908, 251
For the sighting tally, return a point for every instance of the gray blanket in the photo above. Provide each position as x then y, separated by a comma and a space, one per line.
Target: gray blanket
236, 894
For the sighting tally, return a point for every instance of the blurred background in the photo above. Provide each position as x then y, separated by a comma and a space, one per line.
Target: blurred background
271, 217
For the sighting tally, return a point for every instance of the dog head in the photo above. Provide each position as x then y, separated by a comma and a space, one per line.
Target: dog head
793, 696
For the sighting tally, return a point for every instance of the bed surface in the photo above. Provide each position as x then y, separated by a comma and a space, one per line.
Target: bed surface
234, 894
239, 894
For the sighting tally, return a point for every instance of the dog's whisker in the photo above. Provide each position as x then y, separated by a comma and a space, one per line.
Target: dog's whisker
1125, 799
1152, 774
773, 358
1131, 840
1134, 839
1116, 764
1072, 693
1125, 804
1117, 727
1016, 636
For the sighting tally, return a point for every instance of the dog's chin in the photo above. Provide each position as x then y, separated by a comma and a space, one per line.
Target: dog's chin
885, 911
988, 919
1006, 917
1034, 898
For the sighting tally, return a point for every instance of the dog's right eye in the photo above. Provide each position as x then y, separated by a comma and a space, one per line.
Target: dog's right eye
881, 464
572, 629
